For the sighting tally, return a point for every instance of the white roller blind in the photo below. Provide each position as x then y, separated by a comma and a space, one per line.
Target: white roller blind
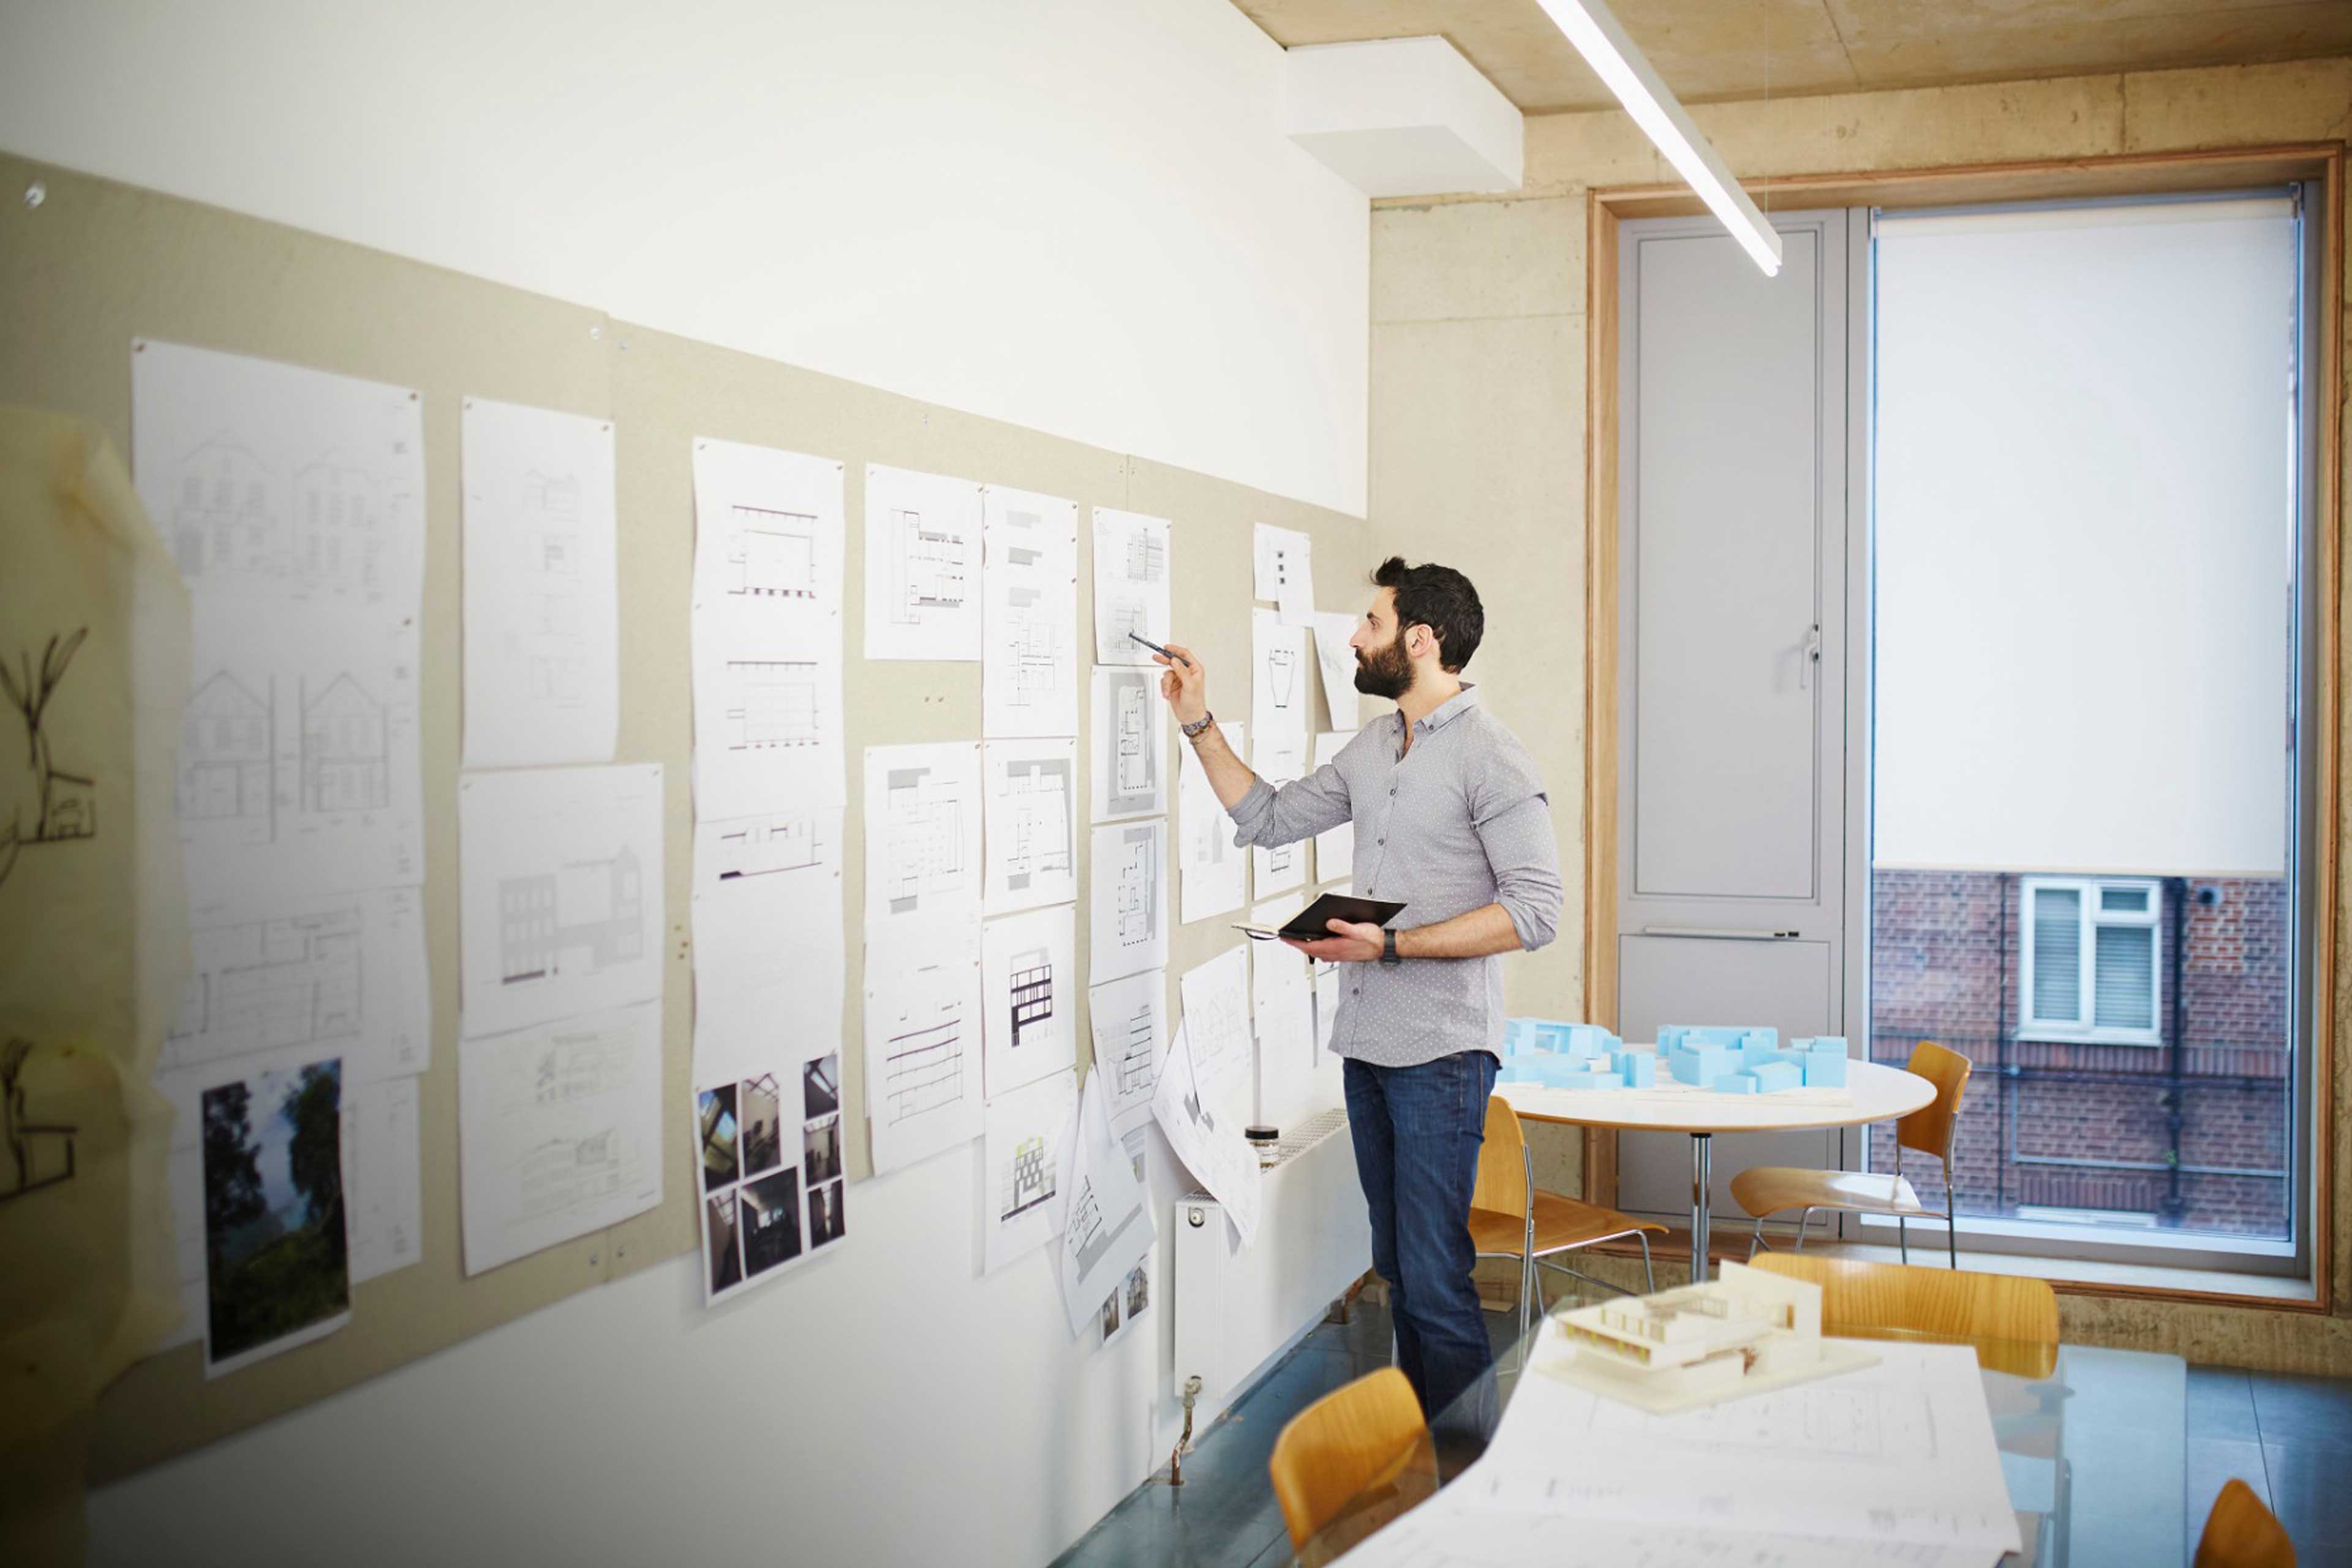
2084, 538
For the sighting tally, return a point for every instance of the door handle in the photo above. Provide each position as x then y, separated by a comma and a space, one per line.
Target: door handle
1721, 934
1809, 654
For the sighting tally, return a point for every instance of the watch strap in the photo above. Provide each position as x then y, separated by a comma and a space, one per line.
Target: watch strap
1389, 955
1199, 727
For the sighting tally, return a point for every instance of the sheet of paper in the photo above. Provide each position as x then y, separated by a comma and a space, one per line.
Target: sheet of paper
770, 939
559, 1132
1215, 870
1327, 1010
1899, 1453
293, 502
1131, 585
1128, 907
769, 1151
767, 630
1278, 759
1029, 988
383, 1196
1031, 657
922, 831
1216, 1013
1128, 1302
1285, 571
542, 638
1335, 848
1282, 1011
1338, 661
1106, 1226
340, 972
1453, 1532
1280, 689
1032, 822
1028, 1130
1130, 1020
1208, 1142
276, 1253
923, 1039
560, 893
1130, 750
922, 565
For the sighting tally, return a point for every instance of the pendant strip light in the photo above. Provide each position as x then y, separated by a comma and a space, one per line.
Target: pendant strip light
1595, 32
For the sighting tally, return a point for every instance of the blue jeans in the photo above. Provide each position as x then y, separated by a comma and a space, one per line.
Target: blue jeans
1417, 1132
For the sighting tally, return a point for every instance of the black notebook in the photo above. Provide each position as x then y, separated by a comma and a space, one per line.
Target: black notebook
1312, 923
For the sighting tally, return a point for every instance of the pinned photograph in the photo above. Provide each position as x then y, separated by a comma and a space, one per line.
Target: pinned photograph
821, 1087
771, 1222
763, 1142
715, 1110
1125, 1304
277, 1261
821, 1152
723, 1257
826, 1221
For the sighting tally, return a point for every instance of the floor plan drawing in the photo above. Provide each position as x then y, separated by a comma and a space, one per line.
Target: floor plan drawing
1029, 658
1131, 757
1032, 824
540, 586
560, 892
1129, 907
766, 630
922, 830
1131, 585
922, 565
923, 1044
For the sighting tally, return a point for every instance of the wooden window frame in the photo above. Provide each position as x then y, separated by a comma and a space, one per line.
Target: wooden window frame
2152, 173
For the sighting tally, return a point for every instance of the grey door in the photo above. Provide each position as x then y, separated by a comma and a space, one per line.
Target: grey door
1732, 627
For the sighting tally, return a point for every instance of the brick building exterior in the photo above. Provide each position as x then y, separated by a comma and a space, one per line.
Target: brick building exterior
2193, 1131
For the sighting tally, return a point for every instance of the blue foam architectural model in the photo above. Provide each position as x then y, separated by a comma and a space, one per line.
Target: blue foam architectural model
1724, 1059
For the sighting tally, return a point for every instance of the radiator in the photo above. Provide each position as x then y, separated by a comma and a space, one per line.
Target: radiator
1239, 1308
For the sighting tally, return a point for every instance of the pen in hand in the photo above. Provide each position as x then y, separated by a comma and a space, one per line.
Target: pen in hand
1161, 651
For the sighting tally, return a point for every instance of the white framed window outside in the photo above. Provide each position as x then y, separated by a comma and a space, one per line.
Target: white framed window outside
2088, 964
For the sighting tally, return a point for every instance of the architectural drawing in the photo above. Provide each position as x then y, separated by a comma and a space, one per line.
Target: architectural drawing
772, 554
923, 1040
922, 830
1285, 561
1129, 1022
225, 517
1279, 757
1031, 826
338, 527
346, 752
268, 984
1279, 692
1030, 1180
225, 746
1131, 757
1217, 1023
1029, 657
1131, 585
1215, 870
1026, 961
1032, 993
1107, 1230
586, 913
1025, 1158
63, 806
922, 565
922, 1069
1130, 905
769, 846
774, 703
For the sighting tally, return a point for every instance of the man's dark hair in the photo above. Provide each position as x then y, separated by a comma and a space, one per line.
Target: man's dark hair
1440, 598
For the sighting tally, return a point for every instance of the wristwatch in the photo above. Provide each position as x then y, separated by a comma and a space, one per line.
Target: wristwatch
1389, 955
1193, 731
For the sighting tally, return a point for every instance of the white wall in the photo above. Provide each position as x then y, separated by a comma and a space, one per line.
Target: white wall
1076, 216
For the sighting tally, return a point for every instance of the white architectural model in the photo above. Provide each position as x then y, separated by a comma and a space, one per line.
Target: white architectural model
1741, 1333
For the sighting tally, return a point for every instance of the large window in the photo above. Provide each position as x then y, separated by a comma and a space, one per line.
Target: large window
2089, 653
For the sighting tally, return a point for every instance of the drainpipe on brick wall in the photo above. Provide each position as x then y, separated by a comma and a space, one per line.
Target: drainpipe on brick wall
2005, 1081
2176, 1095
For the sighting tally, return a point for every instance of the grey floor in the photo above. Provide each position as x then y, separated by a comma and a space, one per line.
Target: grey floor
2288, 1437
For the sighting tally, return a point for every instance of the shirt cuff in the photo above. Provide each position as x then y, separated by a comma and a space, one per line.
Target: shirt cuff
1251, 813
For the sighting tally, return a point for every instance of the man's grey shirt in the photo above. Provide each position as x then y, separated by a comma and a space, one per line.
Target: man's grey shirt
1459, 822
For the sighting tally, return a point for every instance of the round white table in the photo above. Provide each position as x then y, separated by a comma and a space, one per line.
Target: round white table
1874, 1092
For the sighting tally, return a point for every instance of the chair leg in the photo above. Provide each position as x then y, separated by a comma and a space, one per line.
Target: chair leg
1951, 1219
1756, 1241
1902, 1234
1527, 1285
1649, 1279
1804, 1219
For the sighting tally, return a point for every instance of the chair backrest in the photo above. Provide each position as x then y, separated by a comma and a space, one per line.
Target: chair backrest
1930, 1128
1342, 1444
1502, 1162
1856, 1295
2241, 1534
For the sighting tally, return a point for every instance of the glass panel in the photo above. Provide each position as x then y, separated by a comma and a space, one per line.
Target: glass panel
2057, 953
2123, 977
2124, 901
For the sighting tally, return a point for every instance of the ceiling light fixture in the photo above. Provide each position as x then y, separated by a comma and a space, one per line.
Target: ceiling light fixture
1612, 56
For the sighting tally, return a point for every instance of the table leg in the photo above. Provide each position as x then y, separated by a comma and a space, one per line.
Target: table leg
1702, 1176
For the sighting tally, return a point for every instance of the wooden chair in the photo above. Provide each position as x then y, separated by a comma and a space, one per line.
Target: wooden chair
1510, 1218
1346, 1443
2241, 1534
1774, 1189
1857, 1295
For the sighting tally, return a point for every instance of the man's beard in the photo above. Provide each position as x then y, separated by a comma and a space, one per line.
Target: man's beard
1388, 673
